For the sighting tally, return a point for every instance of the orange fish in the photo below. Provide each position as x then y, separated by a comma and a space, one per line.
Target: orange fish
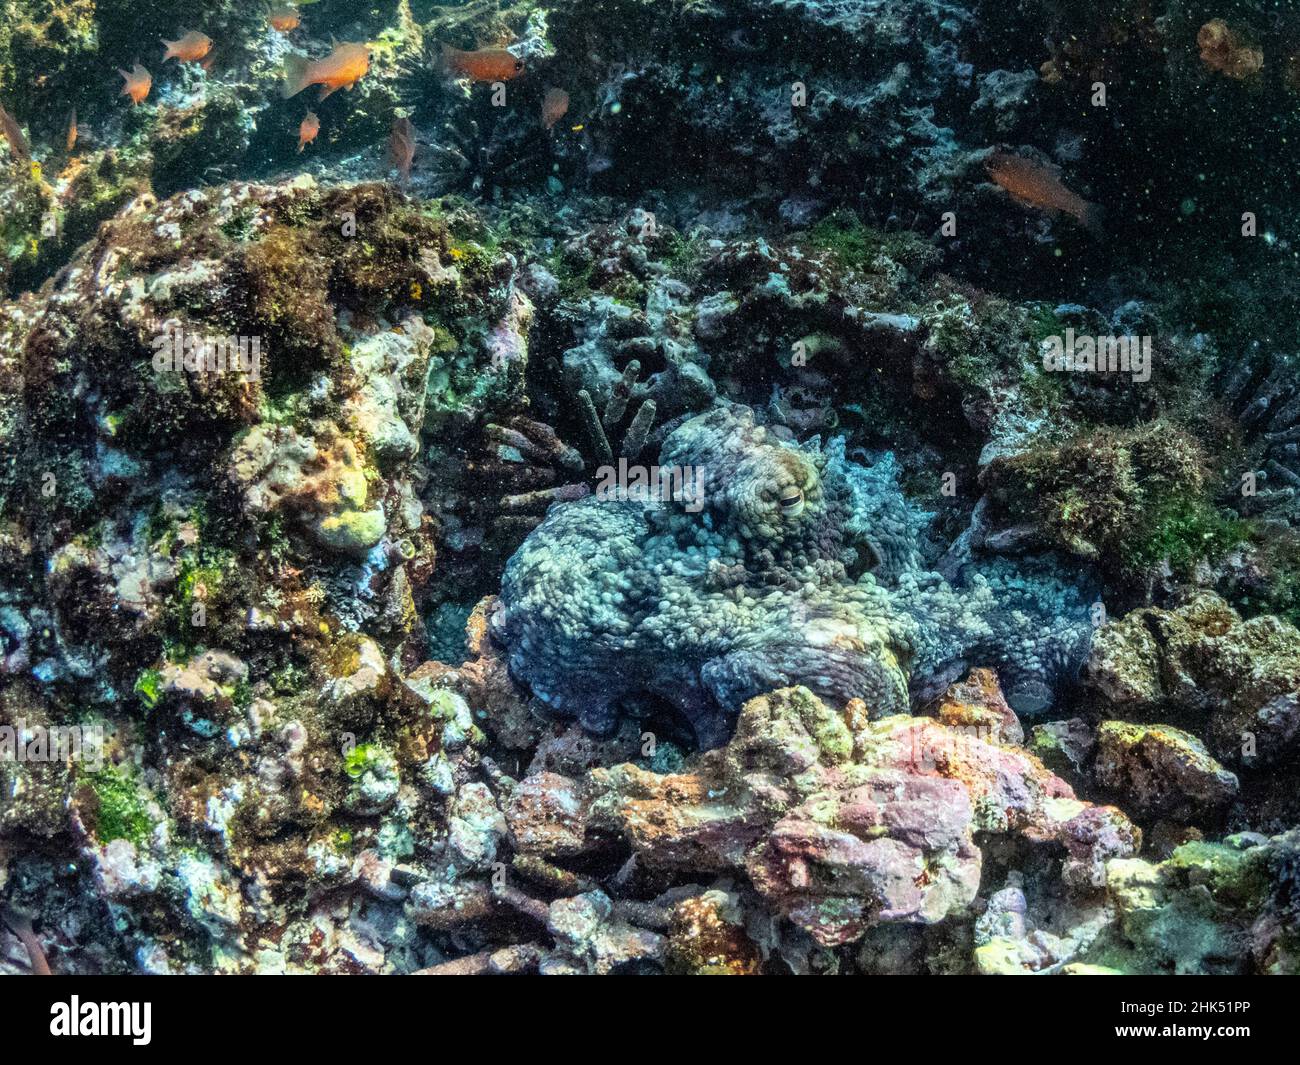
401, 147
191, 48
484, 64
308, 130
555, 104
72, 131
1038, 186
341, 69
13, 133
285, 18
138, 83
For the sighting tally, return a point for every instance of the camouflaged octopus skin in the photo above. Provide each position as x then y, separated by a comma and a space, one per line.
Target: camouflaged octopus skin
800, 567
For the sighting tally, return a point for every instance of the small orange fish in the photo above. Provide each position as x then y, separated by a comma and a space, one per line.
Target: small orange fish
285, 18
72, 131
1038, 186
341, 69
484, 64
555, 104
308, 130
138, 83
13, 133
401, 147
190, 48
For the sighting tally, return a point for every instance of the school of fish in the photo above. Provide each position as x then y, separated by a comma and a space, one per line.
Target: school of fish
1024, 180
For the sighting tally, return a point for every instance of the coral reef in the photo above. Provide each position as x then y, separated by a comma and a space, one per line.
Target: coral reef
661, 536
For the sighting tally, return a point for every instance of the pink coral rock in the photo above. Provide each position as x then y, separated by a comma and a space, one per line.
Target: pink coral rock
838, 822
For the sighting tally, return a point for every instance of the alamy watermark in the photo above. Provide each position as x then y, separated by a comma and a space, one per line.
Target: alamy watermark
1074, 353
176, 351
115, 1019
57, 744
652, 484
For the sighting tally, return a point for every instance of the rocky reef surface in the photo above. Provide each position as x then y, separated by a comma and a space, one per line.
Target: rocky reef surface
651, 538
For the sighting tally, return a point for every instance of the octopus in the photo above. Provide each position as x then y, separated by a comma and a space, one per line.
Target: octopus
787, 564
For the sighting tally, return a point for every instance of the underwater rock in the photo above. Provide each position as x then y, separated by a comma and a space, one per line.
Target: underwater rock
977, 704
1013, 936
832, 819
546, 816
1157, 769
221, 349
707, 936
1130, 501
591, 939
230, 538
1065, 747
1211, 908
324, 484
1240, 677
266, 440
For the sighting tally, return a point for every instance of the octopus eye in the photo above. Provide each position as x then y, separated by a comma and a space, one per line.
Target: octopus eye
519, 64
791, 499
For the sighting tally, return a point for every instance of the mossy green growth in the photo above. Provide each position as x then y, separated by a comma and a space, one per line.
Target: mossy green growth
205, 578
97, 190
1235, 877
573, 272
22, 245
360, 758
1128, 499
476, 260
1044, 322
683, 254
1276, 554
289, 678
843, 235
122, 813
857, 246
148, 686
1184, 531
968, 333
239, 228
628, 291
198, 581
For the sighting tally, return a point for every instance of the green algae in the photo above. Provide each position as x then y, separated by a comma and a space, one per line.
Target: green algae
853, 245
122, 812
575, 273
148, 686
1182, 531
1234, 876
1129, 499
24, 248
